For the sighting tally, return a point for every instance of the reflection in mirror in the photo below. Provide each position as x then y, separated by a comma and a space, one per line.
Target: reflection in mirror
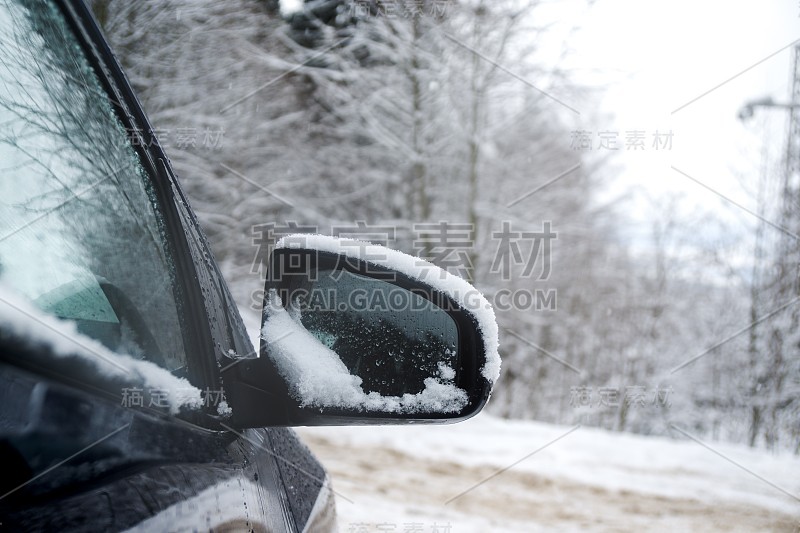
390, 337
353, 342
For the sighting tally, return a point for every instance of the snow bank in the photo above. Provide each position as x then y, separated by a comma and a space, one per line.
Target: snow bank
318, 378
19, 316
467, 296
668, 466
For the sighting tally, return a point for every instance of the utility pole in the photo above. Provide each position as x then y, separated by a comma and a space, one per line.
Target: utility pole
791, 185
791, 214
775, 357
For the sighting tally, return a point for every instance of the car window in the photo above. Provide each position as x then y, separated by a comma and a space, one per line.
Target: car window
81, 235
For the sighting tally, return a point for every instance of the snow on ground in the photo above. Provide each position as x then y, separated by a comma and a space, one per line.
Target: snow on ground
408, 479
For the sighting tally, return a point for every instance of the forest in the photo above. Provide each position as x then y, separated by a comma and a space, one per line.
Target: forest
441, 128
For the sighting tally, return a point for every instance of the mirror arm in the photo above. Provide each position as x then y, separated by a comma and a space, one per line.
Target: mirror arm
256, 394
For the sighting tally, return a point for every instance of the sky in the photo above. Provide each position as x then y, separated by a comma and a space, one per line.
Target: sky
289, 7
650, 64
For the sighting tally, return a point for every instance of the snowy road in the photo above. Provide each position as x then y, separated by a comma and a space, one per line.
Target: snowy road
408, 479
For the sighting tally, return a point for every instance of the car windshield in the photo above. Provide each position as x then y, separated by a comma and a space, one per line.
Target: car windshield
81, 235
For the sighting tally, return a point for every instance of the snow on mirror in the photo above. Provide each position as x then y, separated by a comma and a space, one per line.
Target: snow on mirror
349, 341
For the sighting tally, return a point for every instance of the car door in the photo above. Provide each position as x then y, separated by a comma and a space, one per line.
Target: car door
97, 231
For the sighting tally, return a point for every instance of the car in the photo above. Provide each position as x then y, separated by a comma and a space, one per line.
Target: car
133, 398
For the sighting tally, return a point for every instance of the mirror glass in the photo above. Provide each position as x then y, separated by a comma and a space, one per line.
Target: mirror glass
365, 344
390, 337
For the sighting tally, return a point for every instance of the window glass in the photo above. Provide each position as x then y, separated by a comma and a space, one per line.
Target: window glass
80, 232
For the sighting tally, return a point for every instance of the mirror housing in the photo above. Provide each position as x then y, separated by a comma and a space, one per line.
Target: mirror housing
355, 333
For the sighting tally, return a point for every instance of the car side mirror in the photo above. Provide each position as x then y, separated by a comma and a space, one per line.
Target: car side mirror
356, 333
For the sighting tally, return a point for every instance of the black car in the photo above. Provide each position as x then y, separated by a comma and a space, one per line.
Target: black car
132, 397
